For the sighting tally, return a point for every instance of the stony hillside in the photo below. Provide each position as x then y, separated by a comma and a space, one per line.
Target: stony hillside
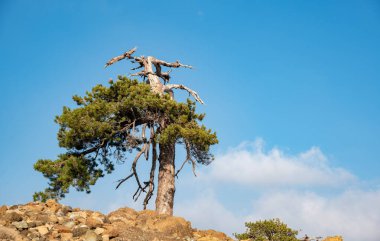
52, 221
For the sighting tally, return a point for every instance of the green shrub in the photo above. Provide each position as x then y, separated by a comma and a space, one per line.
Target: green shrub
268, 230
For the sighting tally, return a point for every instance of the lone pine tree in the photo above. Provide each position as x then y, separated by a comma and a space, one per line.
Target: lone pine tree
127, 117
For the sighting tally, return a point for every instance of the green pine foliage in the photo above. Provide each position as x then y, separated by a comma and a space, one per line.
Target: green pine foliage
104, 128
268, 230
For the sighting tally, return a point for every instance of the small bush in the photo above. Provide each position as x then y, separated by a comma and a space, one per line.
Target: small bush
268, 230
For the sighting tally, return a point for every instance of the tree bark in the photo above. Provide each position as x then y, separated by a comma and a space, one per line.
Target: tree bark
166, 185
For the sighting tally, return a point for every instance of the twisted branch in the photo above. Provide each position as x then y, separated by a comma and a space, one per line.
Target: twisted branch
188, 159
176, 64
123, 180
168, 88
153, 77
139, 186
127, 54
152, 170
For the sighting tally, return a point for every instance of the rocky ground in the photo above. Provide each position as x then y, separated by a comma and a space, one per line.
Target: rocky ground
52, 221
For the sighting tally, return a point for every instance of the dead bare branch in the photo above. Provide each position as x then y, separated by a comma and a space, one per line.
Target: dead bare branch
127, 54
153, 168
183, 164
141, 73
188, 159
138, 67
193, 166
169, 87
121, 181
153, 77
176, 64
138, 192
134, 167
146, 153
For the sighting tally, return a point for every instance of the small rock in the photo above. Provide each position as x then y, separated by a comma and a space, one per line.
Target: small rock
15, 211
80, 220
7, 234
51, 202
208, 239
62, 229
79, 231
12, 217
69, 224
99, 231
66, 209
49, 226
42, 230
66, 236
94, 222
33, 234
61, 220
52, 205
55, 234
112, 231
20, 225
34, 207
53, 219
106, 220
3, 209
106, 237
60, 213
13, 207
39, 223
76, 215
40, 219
24, 232
31, 224
90, 236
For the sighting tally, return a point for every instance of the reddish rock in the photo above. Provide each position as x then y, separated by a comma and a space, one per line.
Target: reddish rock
94, 222
79, 231
3, 209
52, 205
66, 236
12, 217
61, 228
42, 230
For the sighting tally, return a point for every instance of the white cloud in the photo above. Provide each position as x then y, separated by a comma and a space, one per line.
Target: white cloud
250, 164
355, 214
206, 212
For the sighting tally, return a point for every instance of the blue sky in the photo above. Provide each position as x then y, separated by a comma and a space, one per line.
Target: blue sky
291, 87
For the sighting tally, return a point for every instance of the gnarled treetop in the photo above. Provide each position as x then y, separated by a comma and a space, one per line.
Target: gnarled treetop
153, 77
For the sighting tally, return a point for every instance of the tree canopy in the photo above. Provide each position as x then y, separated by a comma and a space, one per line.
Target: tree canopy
268, 230
113, 121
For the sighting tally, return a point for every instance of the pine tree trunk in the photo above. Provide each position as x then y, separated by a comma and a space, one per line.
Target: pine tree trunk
166, 186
